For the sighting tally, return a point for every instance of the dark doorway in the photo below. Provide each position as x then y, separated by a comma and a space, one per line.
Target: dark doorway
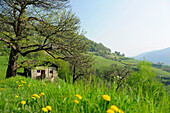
42, 74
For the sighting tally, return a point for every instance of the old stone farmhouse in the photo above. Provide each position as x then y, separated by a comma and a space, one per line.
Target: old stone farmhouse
44, 70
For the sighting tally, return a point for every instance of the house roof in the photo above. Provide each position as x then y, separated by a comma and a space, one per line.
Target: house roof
48, 63
43, 63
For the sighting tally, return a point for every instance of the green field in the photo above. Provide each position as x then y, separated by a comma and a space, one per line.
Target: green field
101, 63
3, 66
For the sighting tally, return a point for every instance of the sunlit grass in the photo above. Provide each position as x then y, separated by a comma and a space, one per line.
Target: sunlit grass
3, 66
21, 94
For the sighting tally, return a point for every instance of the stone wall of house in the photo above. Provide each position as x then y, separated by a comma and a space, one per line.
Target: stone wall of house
50, 72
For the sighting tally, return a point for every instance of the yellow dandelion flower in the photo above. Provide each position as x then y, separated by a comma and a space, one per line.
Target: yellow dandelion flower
45, 84
22, 85
16, 81
114, 107
23, 102
110, 111
19, 85
33, 97
106, 97
45, 109
76, 101
49, 108
41, 94
36, 95
24, 82
16, 96
29, 85
78, 96
120, 111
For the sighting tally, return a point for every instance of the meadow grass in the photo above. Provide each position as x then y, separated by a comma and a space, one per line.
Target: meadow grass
3, 66
61, 97
162, 73
101, 62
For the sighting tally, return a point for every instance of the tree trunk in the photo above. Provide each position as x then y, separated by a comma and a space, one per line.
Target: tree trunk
12, 64
74, 74
27, 72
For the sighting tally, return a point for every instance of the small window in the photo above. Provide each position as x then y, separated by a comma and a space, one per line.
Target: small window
51, 71
38, 71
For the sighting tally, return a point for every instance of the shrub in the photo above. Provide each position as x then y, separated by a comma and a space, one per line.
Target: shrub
146, 81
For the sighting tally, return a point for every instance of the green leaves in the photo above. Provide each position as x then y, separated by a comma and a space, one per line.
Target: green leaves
146, 80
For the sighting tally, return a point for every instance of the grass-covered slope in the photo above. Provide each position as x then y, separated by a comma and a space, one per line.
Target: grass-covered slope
103, 63
25, 95
3, 66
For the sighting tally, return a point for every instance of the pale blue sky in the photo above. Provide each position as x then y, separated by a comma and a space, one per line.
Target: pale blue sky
128, 26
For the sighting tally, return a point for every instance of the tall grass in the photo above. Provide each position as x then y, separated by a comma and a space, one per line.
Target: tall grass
60, 96
3, 66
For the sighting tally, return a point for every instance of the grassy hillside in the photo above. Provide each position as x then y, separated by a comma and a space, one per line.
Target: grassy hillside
19, 94
103, 63
3, 66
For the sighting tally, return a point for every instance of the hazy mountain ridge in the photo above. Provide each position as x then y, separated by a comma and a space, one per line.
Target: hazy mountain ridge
162, 56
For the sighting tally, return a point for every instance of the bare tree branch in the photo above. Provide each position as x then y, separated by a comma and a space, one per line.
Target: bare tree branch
8, 42
35, 50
